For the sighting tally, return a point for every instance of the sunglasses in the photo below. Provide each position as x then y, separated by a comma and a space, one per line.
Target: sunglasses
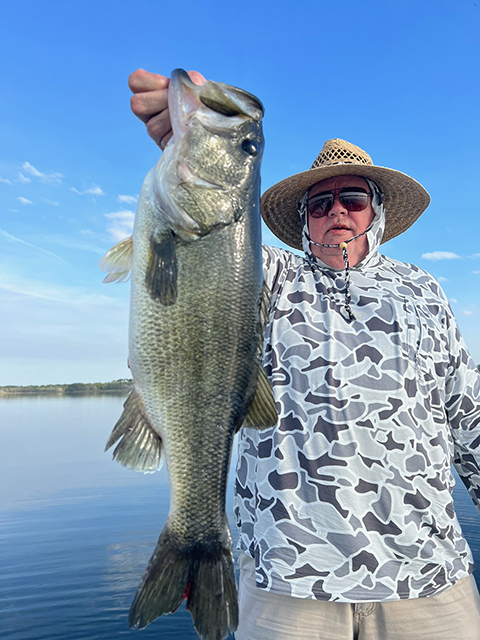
351, 199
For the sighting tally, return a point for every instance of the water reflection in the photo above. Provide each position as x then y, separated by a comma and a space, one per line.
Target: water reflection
77, 529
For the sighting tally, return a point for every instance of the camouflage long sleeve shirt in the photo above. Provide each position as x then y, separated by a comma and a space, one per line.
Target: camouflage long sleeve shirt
349, 497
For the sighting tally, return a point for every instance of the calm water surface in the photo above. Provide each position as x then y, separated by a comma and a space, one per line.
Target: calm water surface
77, 529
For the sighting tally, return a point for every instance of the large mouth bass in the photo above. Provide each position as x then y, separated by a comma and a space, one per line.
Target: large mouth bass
194, 342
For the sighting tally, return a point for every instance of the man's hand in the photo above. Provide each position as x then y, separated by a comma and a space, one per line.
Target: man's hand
150, 102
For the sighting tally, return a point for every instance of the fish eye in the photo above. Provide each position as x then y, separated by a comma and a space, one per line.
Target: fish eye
250, 147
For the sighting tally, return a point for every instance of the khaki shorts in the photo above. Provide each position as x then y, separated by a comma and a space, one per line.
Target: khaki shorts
453, 614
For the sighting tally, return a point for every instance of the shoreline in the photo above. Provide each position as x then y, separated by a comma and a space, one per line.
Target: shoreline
121, 386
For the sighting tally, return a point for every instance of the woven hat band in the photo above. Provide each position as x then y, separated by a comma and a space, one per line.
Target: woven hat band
338, 151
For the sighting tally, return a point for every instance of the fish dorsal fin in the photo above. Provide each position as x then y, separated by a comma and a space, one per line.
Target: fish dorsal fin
262, 413
118, 260
140, 447
162, 269
264, 310
263, 317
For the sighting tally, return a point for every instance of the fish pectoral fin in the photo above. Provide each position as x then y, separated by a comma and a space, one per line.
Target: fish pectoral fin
162, 269
140, 447
262, 413
118, 260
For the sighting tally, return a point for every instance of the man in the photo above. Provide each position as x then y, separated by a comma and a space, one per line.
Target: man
347, 526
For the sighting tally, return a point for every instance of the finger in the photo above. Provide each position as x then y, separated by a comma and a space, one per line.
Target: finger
197, 77
141, 80
149, 103
159, 128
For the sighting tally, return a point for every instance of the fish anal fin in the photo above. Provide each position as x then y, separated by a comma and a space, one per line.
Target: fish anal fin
162, 269
262, 413
118, 261
140, 447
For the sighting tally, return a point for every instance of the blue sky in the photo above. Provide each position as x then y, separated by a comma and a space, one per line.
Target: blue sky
399, 79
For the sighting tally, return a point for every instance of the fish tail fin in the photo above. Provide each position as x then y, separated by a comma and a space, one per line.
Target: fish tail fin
212, 598
202, 574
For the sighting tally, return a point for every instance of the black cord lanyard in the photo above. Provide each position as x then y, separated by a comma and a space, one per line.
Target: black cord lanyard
343, 247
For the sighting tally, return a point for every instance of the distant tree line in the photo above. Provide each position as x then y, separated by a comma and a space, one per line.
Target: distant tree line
123, 385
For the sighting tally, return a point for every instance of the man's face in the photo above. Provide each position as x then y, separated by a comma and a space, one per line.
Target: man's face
340, 224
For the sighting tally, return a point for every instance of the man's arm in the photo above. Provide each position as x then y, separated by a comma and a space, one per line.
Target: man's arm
463, 411
150, 102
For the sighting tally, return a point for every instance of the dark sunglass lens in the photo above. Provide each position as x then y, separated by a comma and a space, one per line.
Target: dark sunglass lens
319, 207
354, 201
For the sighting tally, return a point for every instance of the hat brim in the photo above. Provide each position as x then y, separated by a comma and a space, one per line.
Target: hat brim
404, 199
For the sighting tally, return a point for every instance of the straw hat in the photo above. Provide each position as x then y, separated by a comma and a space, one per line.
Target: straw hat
404, 198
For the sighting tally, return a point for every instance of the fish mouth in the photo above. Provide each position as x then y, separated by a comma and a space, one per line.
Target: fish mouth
185, 98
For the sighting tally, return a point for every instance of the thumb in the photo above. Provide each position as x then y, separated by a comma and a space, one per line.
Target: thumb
197, 77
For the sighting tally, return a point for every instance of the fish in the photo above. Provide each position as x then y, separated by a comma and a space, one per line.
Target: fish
197, 309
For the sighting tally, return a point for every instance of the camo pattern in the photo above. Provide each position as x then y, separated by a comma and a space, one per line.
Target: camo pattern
349, 497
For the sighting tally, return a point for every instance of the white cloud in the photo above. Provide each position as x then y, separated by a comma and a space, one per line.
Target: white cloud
50, 178
54, 203
8, 236
476, 272
454, 300
56, 293
24, 200
5, 180
94, 190
466, 312
128, 199
121, 225
23, 178
440, 255
71, 243
442, 279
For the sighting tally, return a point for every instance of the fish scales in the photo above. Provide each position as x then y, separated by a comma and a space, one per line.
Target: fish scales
194, 342
201, 340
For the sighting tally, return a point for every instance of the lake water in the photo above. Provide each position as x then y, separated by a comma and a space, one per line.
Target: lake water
77, 529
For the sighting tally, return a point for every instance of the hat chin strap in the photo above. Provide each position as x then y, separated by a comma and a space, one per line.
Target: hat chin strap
343, 247
332, 246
